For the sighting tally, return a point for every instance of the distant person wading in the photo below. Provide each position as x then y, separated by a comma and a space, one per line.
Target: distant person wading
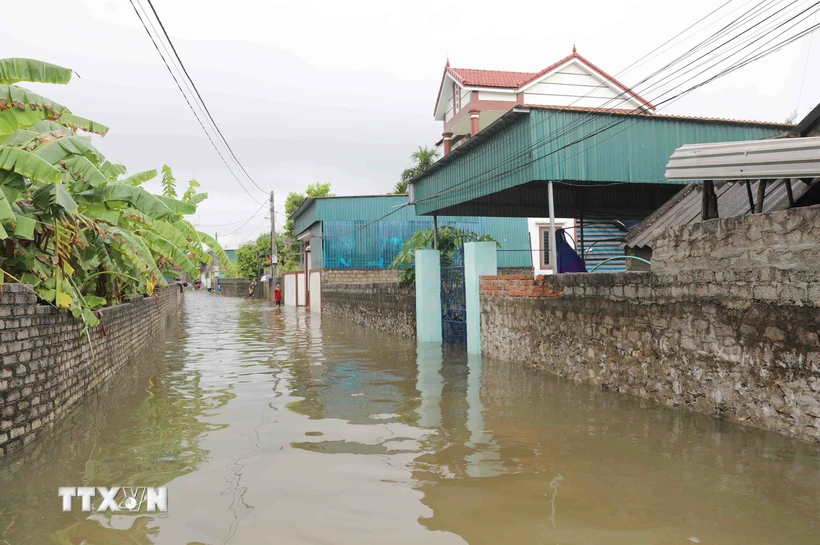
251, 288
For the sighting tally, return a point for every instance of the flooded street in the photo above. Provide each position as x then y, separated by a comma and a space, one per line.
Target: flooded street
273, 426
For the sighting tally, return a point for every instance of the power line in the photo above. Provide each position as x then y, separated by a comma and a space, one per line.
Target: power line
199, 96
254, 230
247, 220
565, 130
805, 68
626, 118
185, 96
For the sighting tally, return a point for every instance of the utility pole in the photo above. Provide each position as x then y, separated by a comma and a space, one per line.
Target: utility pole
274, 252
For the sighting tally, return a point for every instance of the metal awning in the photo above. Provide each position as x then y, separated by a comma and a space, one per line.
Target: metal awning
749, 160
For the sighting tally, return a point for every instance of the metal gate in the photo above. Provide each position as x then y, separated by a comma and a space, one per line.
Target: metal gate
453, 300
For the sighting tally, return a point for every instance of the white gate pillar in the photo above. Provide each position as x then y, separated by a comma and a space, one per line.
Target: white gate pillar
428, 296
480, 259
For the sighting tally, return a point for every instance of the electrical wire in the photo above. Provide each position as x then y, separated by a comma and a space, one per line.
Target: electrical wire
247, 220
586, 137
622, 93
805, 68
199, 96
253, 230
548, 140
187, 101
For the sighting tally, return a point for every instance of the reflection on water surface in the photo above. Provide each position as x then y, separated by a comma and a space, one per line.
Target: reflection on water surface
272, 426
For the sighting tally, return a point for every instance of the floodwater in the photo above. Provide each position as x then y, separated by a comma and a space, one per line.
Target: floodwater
273, 426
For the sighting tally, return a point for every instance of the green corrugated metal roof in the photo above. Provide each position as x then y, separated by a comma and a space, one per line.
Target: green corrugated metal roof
580, 145
512, 233
366, 208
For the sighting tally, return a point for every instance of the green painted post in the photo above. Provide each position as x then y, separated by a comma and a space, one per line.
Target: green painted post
480, 259
428, 296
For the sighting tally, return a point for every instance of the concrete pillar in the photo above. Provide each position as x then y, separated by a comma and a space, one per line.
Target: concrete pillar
479, 260
474, 122
430, 383
448, 142
428, 296
485, 460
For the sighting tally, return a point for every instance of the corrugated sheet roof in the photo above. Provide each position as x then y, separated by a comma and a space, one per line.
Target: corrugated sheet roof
569, 144
633, 113
749, 160
733, 200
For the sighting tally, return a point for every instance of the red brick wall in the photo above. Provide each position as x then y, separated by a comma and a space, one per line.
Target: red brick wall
519, 285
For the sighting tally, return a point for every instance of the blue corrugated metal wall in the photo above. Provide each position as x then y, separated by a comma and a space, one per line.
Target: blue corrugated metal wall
349, 232
602, 241
356, 245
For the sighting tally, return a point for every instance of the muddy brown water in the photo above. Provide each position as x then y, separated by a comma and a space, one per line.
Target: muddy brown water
274, 426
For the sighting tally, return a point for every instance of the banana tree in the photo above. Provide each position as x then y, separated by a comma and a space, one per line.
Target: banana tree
73, 225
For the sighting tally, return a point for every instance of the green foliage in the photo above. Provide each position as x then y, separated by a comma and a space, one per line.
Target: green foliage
71, 226
169, 184
289, 249
294, 200
401, 187
450, 241
423, 158
191, 195
246, 255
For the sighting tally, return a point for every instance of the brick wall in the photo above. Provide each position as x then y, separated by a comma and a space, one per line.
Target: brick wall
710, 335
45, 364
388, 307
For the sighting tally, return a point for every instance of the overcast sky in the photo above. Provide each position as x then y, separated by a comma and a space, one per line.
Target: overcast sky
343, 92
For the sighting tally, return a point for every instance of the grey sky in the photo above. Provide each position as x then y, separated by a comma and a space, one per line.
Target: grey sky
344, 91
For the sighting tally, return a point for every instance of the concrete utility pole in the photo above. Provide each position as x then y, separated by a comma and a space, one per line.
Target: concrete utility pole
274, 252
553, 250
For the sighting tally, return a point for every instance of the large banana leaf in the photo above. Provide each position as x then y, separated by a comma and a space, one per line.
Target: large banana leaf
138, 253
61, 149
169, 231
168, 250
21, 108
192, 234
84, 170
15, 70
47, 125
20, 137
179, 207
29, 165
112, 170
140, 177
6, 213
220, 254
75, 122
54, 197
137, 197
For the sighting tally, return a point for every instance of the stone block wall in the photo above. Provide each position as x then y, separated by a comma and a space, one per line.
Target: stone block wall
785, 240
388, 307
45, 364
359, 276
740, 343
237, 287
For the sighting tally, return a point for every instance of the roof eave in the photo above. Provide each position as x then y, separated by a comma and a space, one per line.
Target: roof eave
481, 135
302, 207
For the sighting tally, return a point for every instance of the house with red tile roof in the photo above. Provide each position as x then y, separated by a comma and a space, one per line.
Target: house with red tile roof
469, 100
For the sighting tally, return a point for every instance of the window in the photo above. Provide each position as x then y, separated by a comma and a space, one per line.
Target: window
544, 252
456, 98
544, 244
